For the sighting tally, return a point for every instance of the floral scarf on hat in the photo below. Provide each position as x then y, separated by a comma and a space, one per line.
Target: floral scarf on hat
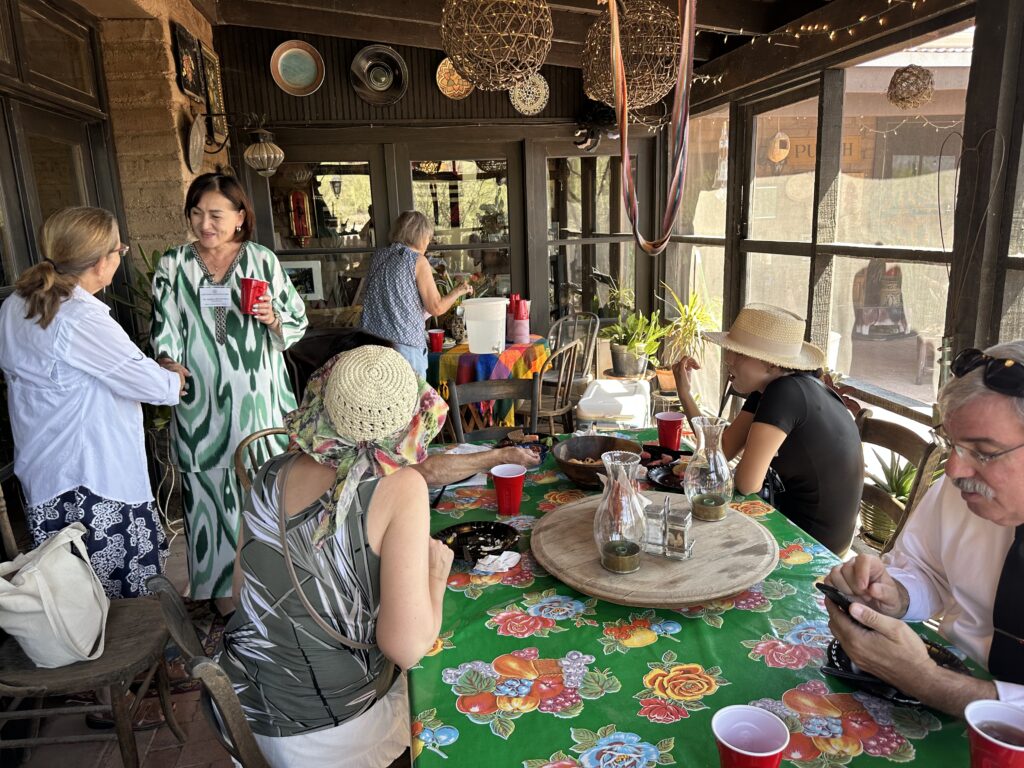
313, 433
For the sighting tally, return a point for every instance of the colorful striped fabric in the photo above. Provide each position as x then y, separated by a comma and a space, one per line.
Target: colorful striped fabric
518, 361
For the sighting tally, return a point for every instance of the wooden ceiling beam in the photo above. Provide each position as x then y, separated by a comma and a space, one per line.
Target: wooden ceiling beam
758, 63
730, 16
359, 27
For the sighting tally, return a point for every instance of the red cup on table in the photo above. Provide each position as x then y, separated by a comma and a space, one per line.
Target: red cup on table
508, 487
436, 337
670, 429
252, 292
749, 737
995, 732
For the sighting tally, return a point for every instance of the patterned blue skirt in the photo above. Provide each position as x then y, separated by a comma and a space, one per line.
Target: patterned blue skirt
126, 542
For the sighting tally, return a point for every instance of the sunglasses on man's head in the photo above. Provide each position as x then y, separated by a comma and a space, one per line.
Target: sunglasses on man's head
1002, 374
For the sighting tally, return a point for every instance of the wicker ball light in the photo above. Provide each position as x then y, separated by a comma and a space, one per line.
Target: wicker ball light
530, 96
649, 37
451, 83
496, 44
911, 87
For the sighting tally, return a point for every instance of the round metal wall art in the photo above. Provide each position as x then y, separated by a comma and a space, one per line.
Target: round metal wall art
451, 83
649, 37
910, 87
530, 96
496, 44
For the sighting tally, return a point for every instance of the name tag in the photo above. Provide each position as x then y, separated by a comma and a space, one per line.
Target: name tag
215, 296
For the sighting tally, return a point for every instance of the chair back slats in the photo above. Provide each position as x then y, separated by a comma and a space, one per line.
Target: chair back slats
558, 402
925, 455
257, 451
582, 327
466, 418
228, 718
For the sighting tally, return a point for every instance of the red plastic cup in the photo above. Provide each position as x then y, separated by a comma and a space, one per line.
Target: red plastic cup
749, 737
990, 724
436, 336
508, 486
670, 429
252, 291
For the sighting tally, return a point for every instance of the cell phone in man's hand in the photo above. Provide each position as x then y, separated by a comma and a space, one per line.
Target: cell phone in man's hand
841, 600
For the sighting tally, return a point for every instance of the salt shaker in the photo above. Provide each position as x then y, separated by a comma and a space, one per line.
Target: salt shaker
678, 542
654, 542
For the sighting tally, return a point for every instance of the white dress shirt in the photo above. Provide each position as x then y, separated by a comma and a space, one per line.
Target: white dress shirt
73, 392
950, 561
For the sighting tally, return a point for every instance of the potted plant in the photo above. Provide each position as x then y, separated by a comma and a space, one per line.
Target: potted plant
684, 337
634, 342
897, 480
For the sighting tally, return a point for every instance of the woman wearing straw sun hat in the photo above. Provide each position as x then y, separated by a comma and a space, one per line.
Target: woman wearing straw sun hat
337, 580
790, 422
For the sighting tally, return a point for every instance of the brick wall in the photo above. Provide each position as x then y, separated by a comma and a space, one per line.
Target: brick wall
149, 117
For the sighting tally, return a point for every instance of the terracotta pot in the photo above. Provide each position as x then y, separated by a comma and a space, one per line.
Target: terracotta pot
666, 380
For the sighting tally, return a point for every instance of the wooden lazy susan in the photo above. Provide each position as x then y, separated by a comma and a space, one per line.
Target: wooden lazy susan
729, 556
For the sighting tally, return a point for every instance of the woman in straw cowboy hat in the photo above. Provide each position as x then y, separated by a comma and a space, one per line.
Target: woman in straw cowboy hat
337, 580
790, 422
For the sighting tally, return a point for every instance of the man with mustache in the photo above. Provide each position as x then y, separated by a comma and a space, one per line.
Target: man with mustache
960, 556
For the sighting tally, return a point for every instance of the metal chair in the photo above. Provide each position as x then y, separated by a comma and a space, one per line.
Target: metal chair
135, 640
257, 447
556, 400
924, 454
464, 400
582, 327
220, 703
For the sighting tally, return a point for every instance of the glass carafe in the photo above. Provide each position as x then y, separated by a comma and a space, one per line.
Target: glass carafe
708, 472
619, 526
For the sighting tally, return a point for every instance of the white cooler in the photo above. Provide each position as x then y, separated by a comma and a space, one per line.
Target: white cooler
616, 404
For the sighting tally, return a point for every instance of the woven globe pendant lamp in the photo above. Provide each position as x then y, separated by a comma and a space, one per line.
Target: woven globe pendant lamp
496, 44
649, 34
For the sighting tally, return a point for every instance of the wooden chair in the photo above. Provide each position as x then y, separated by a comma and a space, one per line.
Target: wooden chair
925, 454
556, 400
220, 704
257, 447
469, 423
582, 327
134, 645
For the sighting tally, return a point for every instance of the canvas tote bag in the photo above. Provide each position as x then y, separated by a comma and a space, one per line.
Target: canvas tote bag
52, 603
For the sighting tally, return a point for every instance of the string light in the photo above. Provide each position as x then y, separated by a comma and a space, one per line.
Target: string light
820, 29
920, 120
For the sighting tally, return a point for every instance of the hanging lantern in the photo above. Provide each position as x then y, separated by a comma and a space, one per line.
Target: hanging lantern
336, 187
496, 44
491, 166
263, 154
910, 87
649, 35
451, 83
530, 96
778, 148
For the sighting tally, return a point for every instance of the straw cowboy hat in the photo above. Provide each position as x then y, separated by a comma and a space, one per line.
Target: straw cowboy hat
771, 334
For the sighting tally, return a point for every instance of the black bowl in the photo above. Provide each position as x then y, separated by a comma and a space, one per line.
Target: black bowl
472, 540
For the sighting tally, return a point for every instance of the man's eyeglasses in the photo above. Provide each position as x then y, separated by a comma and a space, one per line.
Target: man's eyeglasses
980, 458
1002, 374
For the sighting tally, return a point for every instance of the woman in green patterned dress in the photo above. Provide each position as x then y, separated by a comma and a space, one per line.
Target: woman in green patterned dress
237, 382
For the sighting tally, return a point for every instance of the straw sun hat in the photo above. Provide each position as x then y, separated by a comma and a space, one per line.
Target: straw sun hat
371, 393
771, 334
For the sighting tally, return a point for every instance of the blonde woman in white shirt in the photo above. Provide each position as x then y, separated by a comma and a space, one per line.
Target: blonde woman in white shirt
75, 382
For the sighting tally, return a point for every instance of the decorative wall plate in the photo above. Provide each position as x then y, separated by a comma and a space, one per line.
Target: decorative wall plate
379, 75
297, 68
196, 144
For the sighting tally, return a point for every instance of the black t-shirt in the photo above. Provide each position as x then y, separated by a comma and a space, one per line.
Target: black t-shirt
820, 462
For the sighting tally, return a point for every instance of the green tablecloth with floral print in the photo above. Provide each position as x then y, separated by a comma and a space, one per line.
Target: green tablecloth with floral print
528, 672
